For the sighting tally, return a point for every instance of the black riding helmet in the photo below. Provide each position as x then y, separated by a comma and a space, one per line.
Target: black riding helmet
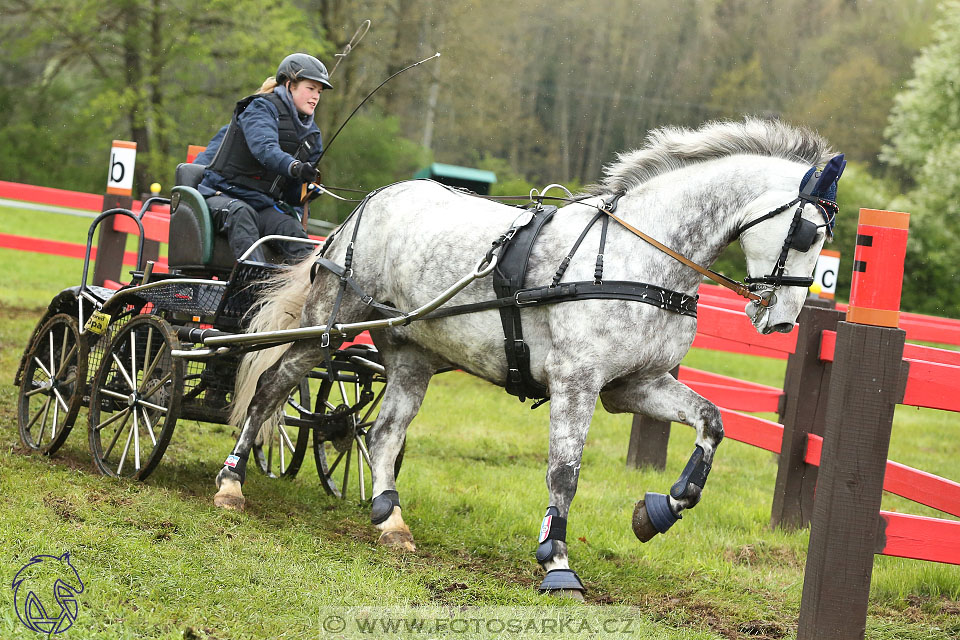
303, 66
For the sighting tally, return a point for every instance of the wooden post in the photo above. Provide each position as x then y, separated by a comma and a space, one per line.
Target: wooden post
648, 440
111, 243
805, 388
648, 443
867, 382
865, 388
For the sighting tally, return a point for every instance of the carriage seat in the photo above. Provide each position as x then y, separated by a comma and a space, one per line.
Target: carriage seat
195, 247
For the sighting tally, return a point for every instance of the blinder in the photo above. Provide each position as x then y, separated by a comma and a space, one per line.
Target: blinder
818, 188
803, 235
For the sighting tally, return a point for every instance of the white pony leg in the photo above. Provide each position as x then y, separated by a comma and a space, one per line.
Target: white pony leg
572, 401
665, 398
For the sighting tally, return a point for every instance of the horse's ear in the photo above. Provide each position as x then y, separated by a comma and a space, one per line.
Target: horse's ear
65, 557
826, 185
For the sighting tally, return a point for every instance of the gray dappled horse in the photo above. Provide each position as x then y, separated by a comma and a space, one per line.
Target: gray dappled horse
695, 191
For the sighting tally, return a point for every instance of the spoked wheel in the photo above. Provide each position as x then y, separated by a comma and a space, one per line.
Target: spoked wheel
282, 455
51, 389
135, 399
350, 405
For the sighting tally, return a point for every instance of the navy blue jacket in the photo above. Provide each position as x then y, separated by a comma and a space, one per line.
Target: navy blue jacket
259, 124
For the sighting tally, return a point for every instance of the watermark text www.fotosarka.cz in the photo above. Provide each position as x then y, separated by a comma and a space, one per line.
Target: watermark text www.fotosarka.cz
482, 622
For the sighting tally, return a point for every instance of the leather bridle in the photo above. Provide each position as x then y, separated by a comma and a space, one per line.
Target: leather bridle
800, 237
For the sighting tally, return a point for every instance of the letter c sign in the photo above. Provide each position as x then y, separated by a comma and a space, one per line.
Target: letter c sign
828, 265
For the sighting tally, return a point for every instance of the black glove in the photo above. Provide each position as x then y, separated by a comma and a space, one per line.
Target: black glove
305, 171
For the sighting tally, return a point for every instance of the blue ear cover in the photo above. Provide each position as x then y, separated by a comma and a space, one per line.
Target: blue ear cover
827, 184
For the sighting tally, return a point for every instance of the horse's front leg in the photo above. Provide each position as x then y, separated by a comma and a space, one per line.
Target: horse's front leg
272, 390
572, 401
666, 398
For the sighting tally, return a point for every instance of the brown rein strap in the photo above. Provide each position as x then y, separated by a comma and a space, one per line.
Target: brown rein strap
737, 287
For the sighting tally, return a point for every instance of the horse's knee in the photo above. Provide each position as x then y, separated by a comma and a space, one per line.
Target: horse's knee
562, 478
712, 422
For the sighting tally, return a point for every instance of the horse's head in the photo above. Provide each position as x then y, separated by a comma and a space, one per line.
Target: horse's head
782, 247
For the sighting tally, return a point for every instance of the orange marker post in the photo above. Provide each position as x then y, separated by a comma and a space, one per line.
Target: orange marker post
193, 150
878, 268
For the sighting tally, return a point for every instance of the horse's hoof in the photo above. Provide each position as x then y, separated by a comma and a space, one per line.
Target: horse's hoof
229, 496
400, 540
642, 526
653, 515
562, 583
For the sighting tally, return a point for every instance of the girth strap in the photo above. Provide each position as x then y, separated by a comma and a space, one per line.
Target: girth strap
508, 278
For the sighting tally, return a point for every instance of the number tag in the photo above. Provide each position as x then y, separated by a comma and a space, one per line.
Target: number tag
97, 323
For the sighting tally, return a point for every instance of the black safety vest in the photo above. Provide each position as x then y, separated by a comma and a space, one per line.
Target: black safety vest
234, 161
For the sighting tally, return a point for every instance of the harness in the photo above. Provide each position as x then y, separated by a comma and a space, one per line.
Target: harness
513, 249
512, 252
510, 274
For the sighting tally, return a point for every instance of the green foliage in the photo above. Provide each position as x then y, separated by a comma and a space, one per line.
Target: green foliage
925, 119
511, 183
369, 153
162, 73
865, 88
924, 141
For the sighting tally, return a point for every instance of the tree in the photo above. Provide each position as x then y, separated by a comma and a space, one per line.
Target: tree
163, 73
924, 141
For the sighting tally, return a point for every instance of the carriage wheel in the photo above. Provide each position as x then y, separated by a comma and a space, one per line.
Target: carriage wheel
135, 399
51, 390
350, 405
284, 453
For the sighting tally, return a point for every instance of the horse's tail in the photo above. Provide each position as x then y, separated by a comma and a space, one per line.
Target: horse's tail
280, 305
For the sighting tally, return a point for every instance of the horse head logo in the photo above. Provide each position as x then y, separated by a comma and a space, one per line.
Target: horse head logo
45, 594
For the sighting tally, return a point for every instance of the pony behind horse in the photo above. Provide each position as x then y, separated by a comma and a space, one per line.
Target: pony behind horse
693, 190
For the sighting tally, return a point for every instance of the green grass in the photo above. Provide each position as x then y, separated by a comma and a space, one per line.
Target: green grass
160, 561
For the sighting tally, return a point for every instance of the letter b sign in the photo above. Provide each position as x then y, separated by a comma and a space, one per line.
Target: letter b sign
123, 158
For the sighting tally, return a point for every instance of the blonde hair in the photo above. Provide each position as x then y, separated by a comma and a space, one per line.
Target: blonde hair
268, 85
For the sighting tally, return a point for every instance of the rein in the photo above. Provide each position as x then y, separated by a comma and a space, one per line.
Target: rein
737, 287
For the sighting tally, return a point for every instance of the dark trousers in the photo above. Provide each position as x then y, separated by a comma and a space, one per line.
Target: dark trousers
243, 226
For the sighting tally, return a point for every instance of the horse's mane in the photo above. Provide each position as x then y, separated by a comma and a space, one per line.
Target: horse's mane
670, 148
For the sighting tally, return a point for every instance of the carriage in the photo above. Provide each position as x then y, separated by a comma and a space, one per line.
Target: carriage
133, 357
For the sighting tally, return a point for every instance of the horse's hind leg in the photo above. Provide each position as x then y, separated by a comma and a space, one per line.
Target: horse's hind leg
272, 390
665, 398
408, 374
